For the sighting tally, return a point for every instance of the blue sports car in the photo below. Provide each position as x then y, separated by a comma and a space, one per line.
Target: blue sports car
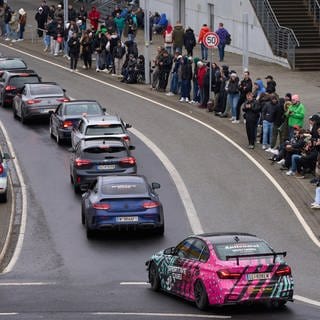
123, 202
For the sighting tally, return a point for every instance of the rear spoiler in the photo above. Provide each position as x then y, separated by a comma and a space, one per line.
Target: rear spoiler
102, 137
274, 254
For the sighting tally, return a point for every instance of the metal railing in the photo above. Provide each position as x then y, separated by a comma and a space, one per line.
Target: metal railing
282, 40
314, 9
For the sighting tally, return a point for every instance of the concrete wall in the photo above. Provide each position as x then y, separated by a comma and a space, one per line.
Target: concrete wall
230, 12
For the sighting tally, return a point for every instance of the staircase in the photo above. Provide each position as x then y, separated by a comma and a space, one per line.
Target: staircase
294, 14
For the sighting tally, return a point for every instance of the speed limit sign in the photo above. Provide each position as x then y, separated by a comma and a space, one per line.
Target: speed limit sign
211, 40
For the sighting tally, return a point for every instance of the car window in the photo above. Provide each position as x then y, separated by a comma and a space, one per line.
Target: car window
104, 152
183, 248
241, 248
20, 81
79, 109
44, 90
97, 130
124, 188
12, 64
196, 249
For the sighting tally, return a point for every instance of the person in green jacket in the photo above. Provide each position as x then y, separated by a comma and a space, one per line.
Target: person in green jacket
295, 114
120, 23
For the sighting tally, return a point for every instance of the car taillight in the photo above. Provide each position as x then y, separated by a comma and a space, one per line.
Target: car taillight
81, 163
150, 204
67, 124
283, 271
101, 206
1, 169
33, 101
9, 88
127, 162
63, 99
227, 274
126, 139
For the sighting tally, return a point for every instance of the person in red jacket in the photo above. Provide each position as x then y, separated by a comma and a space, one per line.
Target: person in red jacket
94, 16
204, 49
201, 73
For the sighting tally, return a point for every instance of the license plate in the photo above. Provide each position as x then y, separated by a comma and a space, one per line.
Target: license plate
258, 276
106, 166
47, 110
127, 219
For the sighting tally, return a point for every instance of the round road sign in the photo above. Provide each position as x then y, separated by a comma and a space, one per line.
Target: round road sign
211, 40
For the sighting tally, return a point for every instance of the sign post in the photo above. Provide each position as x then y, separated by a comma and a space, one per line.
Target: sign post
211, 40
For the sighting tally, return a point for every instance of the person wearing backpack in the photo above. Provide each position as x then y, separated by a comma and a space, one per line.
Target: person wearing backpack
225, 38
168, 40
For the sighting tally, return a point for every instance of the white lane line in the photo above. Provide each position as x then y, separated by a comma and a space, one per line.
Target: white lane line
306, 300
193, 217
132, 283
8, 313
16, 284
22, 229
256, 163
168, 315
244, 152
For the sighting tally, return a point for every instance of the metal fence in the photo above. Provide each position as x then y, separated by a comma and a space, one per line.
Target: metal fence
314, 9
282, 40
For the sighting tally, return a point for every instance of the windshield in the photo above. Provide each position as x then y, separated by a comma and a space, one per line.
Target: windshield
46, 90
19, 82
124, 188
79, 109
12, 64
98, 130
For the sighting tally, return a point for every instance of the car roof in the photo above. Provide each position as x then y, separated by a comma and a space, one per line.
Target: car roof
5, 59
105, 119
42, 84
226, 237
20, 72
81, 101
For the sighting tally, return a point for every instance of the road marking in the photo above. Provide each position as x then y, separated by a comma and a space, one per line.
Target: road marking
193, 217
171, 315
244, 152
306, 300
22, 228
137, 283
14, 284
8, 313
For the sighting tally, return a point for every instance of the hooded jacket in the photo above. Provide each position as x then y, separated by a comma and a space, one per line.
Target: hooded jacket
202, 32
177, 35
260, 89
189, 40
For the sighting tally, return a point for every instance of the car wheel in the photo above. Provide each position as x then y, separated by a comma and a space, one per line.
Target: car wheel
83, 219
76, 188
89, 232
15, 116
23, 117
200, 295
58, 139
3, 197
50, 131
160, 230
154, 278
277, 304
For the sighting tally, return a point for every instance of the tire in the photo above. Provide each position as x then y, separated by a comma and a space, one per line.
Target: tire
154, 278
50, 131
89, 232
15, 116
200, 295
23, 118
277, 304
160, 230
3, 197
59, 141
83, 219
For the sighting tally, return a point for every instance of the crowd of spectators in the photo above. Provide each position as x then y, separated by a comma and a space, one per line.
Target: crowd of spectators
276, 123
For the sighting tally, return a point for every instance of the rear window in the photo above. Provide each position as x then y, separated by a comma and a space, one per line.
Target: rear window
104, 152
44, 90
124, 188
19, 82
79, 109
97, 130
12, 64
239, 249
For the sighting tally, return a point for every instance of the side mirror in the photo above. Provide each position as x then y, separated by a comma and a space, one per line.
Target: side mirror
170, 251
132, 148
128, 126
51, 112
104, 109
155, 185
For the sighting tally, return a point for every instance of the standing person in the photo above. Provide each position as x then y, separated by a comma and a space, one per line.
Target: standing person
41, 19
295, 114
82, 16
175, 84
22, 23
271, 84
120, 23
7, 18
86, 43
168, 40
251, 109
204, 50
165, 65
268, 114
155, 73
224, 35
177, 37
195, 86
200, 76
278, 121
245, 86
186, 76
52, 34
72, 13
94, 16
99, 45
233, 95
74, 51
189, 41
2, 24
14, 25
118, 54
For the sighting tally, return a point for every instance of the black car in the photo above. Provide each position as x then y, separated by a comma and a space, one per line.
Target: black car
11, 83
94, 157
12, 64
68, 114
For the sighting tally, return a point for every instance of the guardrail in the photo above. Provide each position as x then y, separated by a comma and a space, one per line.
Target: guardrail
281, 39
314, 9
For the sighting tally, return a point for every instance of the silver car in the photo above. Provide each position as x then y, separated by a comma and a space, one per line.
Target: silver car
100, 126
3, 176
38, 100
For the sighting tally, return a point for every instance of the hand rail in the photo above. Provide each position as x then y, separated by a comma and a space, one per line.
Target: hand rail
282, 40
314, 9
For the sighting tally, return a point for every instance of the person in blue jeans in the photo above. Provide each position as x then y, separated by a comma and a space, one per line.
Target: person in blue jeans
268, 115
233, 95
223, 35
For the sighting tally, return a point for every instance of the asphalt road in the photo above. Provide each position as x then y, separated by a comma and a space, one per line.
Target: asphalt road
61, 275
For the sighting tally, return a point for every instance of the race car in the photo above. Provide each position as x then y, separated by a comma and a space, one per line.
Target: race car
223, 269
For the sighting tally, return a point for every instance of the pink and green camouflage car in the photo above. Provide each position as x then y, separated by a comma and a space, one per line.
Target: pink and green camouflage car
222, 269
